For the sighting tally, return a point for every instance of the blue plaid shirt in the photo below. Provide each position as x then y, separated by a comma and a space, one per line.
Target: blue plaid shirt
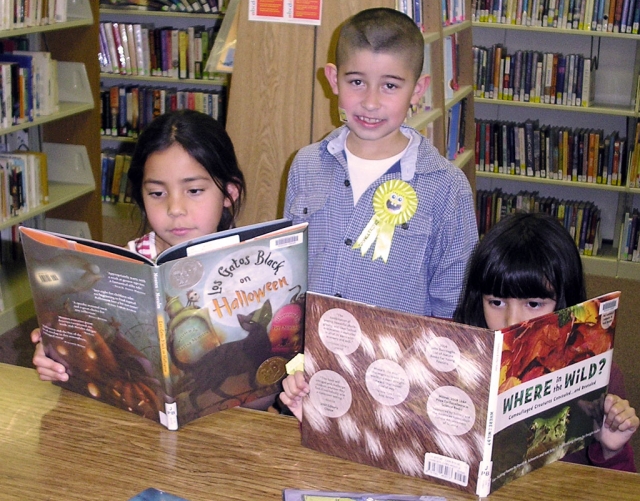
426, 266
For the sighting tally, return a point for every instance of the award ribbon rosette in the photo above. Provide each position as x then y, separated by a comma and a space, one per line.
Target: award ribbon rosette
394, 202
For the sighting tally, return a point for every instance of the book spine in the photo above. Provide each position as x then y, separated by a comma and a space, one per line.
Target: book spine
483, 487
133, 55
175, 53
171, 420
139, 43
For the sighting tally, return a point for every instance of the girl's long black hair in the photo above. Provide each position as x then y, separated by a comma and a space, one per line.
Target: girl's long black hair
202, 137
525, 255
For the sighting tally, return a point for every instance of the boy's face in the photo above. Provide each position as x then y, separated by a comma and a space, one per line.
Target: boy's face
375, 90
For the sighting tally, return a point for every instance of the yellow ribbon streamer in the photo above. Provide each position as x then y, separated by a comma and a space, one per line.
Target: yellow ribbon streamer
394, 202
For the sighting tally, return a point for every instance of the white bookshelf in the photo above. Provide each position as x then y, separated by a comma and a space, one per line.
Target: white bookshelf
71, 166
613, 109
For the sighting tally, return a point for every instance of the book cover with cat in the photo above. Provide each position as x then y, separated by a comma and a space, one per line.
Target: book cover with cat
462, 406
210, 325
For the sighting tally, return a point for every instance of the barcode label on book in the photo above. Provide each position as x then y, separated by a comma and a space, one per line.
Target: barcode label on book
608, 306
47, 278
446, 468
607, 312
288, 241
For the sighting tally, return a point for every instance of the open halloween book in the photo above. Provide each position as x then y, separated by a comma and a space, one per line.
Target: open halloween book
208, 326
459, 405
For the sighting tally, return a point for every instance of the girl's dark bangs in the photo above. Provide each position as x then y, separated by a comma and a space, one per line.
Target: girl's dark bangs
525, 281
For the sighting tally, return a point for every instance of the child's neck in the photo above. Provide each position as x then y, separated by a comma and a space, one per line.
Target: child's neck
377, 149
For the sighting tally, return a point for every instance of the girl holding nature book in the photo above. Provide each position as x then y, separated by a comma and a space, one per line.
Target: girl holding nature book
527, 265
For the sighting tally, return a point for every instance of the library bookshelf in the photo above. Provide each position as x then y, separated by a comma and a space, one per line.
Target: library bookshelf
612, 109
69, 137
290, 106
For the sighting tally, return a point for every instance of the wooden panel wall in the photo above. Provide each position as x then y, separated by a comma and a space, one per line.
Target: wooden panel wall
270, 104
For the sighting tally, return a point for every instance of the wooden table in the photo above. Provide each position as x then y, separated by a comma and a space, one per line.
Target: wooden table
56, 445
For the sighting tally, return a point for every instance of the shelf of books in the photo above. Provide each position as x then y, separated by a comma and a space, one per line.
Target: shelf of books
42, 171
148, 67
61, 175
556, 118
69, 177
608, 18
153, 59
43, 17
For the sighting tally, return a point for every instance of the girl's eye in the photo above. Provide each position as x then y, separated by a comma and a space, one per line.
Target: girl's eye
535, 304
155, 194
356, 82
195, 191
495, 302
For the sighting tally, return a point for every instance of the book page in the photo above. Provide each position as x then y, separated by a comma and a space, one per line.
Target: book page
98, 317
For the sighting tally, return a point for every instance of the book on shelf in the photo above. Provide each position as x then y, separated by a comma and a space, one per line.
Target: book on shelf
146, 50
209, 325
24, 183
533, 76
462, 406
316, 495
577, 155
587, 15
22, 86
629, 237
115, 186
127, 109
450, 76
587, 234
151, 5
219, 59
454, 119
22, 14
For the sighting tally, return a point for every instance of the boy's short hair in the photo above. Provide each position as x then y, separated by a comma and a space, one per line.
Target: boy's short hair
382, 30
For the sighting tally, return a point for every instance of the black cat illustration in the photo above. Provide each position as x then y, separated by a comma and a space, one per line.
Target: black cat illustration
230, 359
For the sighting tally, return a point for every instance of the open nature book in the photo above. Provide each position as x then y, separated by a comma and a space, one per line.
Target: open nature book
209, 326
463, 406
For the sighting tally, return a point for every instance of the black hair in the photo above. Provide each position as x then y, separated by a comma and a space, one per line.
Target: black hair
382, 30
202, 137
525, 255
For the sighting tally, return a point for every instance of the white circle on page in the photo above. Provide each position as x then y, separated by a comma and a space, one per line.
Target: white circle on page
451, 410
443, 354
339, 331
330, 393
387, 382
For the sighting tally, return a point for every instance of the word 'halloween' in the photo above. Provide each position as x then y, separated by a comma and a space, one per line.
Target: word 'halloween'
261, 259
241, 298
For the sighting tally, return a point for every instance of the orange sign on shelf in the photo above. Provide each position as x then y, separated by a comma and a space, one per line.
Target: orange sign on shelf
286, 11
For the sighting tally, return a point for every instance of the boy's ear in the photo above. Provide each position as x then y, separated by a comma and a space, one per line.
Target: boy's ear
231, 195
421, 87
331, 72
